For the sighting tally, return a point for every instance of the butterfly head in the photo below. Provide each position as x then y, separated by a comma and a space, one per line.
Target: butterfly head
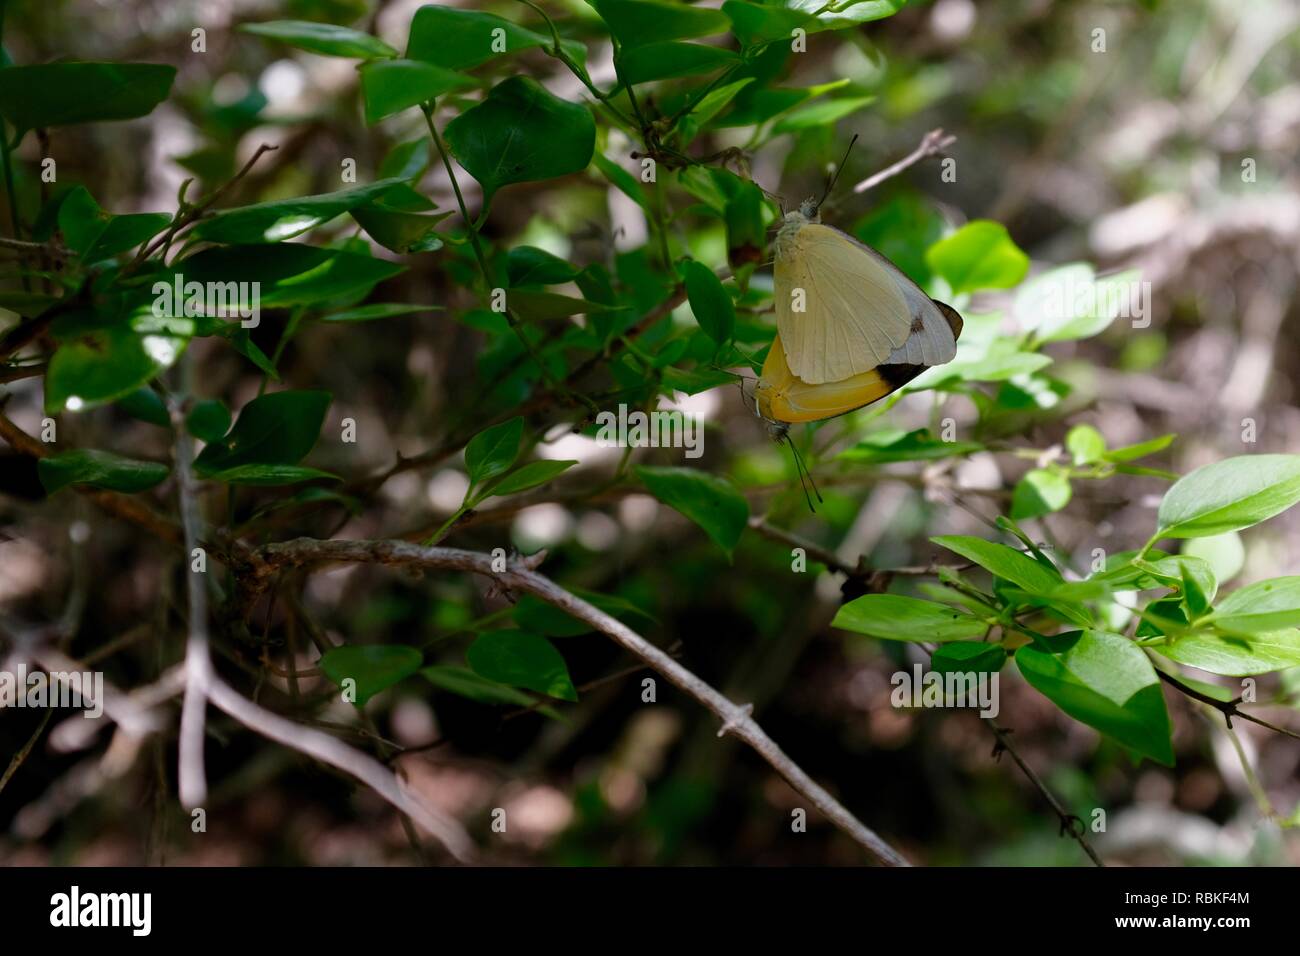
808, 210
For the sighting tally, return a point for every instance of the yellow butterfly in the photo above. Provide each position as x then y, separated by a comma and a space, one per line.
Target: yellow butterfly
851, 327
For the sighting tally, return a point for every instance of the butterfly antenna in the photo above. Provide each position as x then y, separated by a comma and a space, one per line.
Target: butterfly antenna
836, 175
805, 476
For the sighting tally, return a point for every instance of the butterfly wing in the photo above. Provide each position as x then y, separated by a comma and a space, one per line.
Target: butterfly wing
855, 311
784, 397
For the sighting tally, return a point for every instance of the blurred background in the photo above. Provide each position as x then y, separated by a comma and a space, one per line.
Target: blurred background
1172, 149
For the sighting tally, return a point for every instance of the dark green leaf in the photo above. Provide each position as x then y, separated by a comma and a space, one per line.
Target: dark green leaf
637, 22
464, 682
521, 133
711, 502
323, 38
374, 667
492, 451
99, 469
897, 445
95, 235
286, 218
390, 86
59, 94
377, 310
208, 420
462, 39
663, 61
968, 657
289, 273
269, 475
279, 428
710, 302
530, 476
521, 659
528, 265
98, 365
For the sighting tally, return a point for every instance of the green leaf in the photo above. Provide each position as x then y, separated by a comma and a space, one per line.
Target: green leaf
1070, 302
1235, 655
1257, 608
146, 405
285, 218
521, 133
664, 61
492, 451
323, 38
400, 221
465, 683
208, 420
1041, 491
1106, 682
530, 476
288, 273
711, 304
269, 475
897, 445
968, 657
528, 265
823, 113
374, 667
711, 502
755, 23
100, 469
1229, 495
1140, 450
60, 94
390, 86
278, 428
377, 310
94, 365
462, 39
1085, 444
521, 659
1004, 562
638, 22
1225, 553
898, 618
533, 306
979, 255
95, 235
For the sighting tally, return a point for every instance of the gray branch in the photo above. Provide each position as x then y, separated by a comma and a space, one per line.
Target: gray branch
522, 576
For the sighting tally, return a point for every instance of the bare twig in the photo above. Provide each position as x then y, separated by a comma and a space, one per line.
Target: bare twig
198, 660
521, 576
1228, 708
329, 749
932, 143
1069, 822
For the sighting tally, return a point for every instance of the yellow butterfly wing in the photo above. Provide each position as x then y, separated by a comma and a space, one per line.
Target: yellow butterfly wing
855, 313
783, 397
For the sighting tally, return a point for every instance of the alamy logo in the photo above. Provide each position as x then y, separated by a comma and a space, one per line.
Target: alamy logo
75, 908
658, 429
83, 690
946, 689
223, 300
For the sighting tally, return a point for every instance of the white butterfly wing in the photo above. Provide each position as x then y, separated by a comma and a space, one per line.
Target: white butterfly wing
856, 312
